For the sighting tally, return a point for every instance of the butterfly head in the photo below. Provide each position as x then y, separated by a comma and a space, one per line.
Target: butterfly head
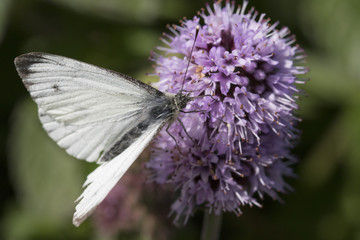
181, 100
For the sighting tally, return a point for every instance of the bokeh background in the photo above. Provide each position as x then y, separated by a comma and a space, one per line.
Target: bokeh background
39, 181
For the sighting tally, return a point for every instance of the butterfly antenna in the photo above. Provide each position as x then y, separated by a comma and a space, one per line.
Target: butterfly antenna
190, 55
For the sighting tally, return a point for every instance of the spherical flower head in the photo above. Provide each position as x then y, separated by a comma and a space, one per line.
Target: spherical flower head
242, 77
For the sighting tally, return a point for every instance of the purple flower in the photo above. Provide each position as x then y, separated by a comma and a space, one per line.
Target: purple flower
241, 134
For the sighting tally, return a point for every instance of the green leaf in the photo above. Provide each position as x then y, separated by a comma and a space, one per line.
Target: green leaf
4, 12
351, 192
332, 25
144, 11
329, 81
320, 163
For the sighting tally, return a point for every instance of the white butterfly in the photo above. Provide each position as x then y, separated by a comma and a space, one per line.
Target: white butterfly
97, 115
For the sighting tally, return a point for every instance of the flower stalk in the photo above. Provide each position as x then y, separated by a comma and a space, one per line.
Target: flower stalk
211, 226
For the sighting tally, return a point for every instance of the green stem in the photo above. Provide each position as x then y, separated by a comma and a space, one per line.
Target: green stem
211, 226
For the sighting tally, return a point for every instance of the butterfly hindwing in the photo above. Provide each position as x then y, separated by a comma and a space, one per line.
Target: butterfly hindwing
103, 179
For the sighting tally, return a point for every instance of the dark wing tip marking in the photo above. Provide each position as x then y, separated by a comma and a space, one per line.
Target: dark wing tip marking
23, 63
22, 66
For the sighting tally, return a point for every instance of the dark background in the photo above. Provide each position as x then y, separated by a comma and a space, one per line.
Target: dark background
39, 182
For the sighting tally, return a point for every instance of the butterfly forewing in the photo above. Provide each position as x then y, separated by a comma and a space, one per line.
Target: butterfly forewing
84, 108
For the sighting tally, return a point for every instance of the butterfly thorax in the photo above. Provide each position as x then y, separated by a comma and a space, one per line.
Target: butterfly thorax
181, 100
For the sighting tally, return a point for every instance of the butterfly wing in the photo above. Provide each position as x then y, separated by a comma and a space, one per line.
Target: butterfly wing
84, 108
94, 113
103, 179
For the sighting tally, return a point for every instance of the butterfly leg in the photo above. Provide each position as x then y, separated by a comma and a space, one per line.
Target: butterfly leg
182, 125
206, 95
177, 145
195, 111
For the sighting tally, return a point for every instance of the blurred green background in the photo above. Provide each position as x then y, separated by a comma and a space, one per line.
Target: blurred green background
39, 182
